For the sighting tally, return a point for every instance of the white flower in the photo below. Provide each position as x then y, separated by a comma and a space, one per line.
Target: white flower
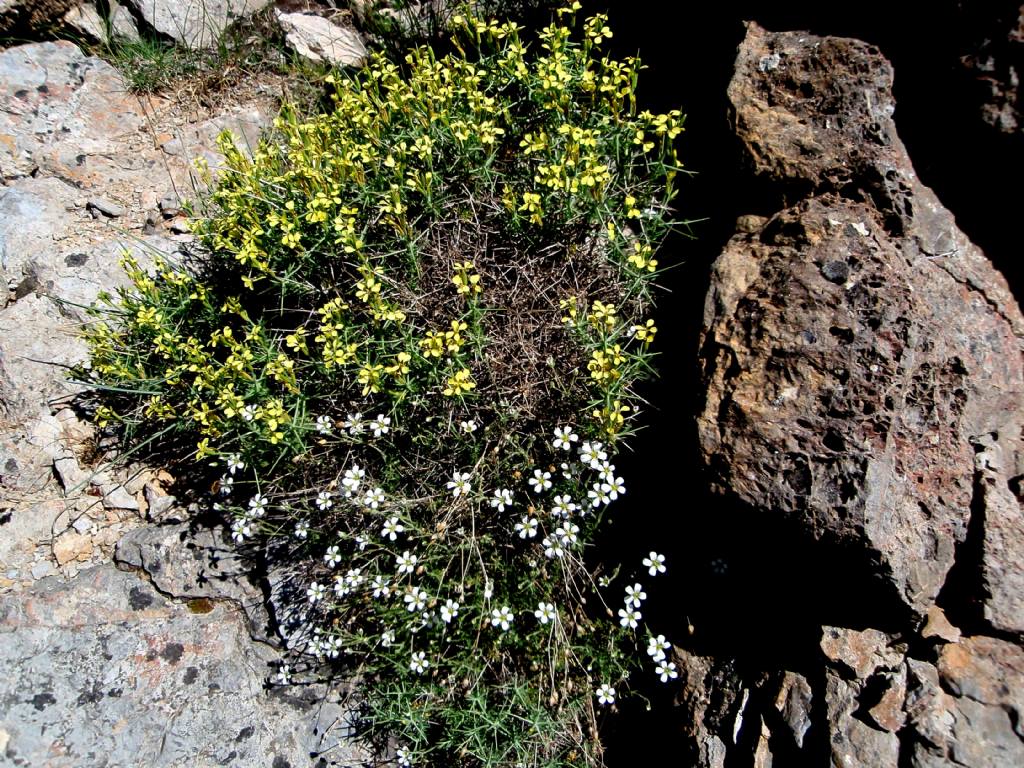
603, 581
654, 563
403, 758
340, 586
469, 427
235, 463
598, 495
406, 562
324, 425
351, 479
567, 533
635, 595
374, 498
284, 675
459, 484
227, 484
666, 671
628, 617
333, 646
487, 590
605, 694
381, 425
392, 528
324, 500
360, 543
592, 454
564, 438
316, 592
415, 600
562, 507
248, 412
502, 498
419, 663
449, 611
354, 424
302, 529
605, 471
614, 488
387, 638
656, 647
541, 481
527, 527
502, 617
552, 547
354, 577
381, 586
258, 505
545, 612
333, 556
241, 529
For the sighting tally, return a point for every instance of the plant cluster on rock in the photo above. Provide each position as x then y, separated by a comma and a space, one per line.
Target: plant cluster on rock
405, 359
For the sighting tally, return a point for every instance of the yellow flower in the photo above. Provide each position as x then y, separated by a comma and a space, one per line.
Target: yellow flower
369, 377
645, 332
466, 280
460, 383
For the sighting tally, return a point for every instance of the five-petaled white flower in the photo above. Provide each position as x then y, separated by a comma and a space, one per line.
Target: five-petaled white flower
666, 670
449, 611
333, 556
241, 529
564, 438
360, 542
324, 500
316, 592
654, 563
324, 425
553, 547
562, 507
387, 638
403, 758
459, 485
605, 694
380, 586
656, 647
248, 412
302, 529
284, 675
406, 562
502, 617
374, 498
598, 495
605, 471
352, 478
502, 498
235, 463
469, 427
415, 599
545, 612
541, 481
614, 488
635, 595
567, 533
527, 527
381, 425
628, 617
592, 454
340, 586
419, 663
353, 423
392, 528
227, 484
258, 505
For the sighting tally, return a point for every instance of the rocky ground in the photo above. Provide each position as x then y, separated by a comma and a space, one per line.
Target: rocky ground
115, 649
861, 397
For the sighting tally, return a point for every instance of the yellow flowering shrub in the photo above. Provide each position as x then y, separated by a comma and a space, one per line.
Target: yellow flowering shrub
404, 354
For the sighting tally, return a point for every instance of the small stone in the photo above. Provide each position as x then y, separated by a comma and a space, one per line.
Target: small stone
859, 228
318, 39
180, 226
82, 524
71, 546
836, 271
888, 713
160, 504
170, 206
43, 569
937, 625
119, 498
107, 208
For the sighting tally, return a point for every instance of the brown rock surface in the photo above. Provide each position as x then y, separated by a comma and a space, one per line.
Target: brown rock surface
857, 346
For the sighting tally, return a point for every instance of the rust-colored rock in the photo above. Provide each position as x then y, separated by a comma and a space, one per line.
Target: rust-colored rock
856, 347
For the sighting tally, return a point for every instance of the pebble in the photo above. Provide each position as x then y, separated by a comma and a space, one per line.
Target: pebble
106, 207
43, 569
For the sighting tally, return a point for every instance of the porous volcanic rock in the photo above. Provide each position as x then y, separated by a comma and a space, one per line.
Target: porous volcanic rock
857, 349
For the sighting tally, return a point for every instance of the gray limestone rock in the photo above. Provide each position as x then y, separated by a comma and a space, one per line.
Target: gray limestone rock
104, 671
319, 39
194, 23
